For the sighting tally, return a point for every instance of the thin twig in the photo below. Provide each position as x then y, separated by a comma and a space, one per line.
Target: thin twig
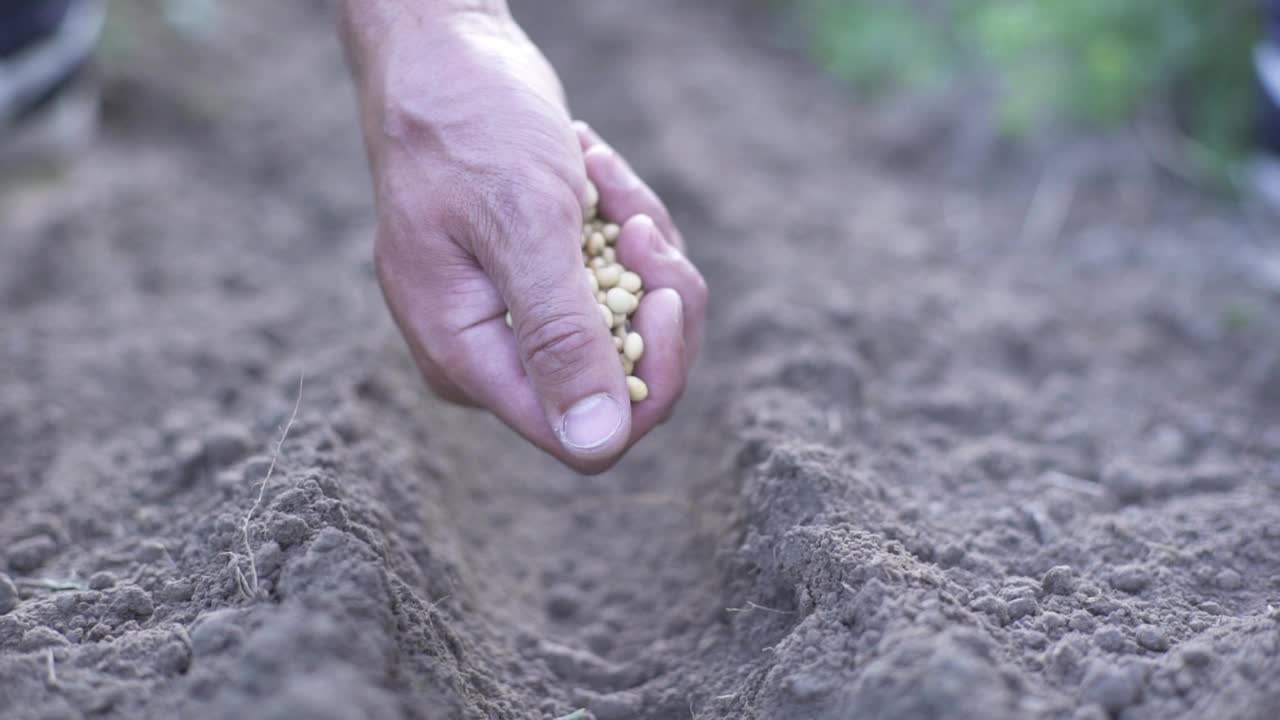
754, 606
251, 583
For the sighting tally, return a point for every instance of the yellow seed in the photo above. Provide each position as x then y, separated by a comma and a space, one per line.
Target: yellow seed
596, 244
611, 232
620, 301
633, 346
596, 263
636, 387
593, 199
591, 280
639, 296
628, 365
607, 314
630, 282
617, 343
509, 323
608, 275
609, 254
601, 297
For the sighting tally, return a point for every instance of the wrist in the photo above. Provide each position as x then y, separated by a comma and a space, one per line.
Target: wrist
368, 25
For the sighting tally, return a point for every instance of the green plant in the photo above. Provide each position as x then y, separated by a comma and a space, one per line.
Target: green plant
1092, 62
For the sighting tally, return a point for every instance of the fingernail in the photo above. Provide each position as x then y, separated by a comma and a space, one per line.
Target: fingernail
614, 171
591, 423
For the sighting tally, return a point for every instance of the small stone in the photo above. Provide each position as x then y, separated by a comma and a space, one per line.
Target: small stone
1196, 654
1060, 580
563, 602
216, 631
1228, 579
8, 594
1109, 638
1152, 638
1111, 687
1082, 621
1022, 607
29, 554
1132, 579
1052, 621
102, 580
151, 551
226, 443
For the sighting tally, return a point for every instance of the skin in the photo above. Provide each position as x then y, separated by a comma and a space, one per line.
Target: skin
481, 179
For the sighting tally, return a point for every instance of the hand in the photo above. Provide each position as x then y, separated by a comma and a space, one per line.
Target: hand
481, 182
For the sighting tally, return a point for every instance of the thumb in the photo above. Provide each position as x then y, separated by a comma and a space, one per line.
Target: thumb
566, 349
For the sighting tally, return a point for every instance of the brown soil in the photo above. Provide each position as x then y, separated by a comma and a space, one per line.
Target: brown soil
945, 456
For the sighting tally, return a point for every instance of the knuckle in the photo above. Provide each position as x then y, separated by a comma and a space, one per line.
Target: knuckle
555, 347
519, 209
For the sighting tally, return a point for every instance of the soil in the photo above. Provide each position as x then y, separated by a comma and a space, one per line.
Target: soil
977, 433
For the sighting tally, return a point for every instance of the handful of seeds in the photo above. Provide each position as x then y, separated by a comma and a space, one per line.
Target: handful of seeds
617, 290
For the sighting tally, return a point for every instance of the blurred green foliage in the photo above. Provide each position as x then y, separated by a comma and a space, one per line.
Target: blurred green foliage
1098, 62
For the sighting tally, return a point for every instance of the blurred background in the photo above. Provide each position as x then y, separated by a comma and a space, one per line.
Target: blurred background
1178, 72
1179, 76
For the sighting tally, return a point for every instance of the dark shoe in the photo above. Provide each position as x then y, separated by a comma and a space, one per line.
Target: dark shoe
48, 100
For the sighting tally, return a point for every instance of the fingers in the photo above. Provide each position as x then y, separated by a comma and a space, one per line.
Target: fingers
622, 193
664, 367
564, 349
643, 250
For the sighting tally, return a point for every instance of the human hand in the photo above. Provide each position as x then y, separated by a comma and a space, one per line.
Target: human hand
481, 180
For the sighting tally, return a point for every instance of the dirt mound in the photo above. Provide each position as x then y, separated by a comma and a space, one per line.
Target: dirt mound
938, 462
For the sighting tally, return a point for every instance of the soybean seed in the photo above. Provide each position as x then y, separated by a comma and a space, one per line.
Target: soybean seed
509, 323
628, 365
630, 282
607, 314
636, 388
633, 346
611, 232
620, 301
608, 275
596, 244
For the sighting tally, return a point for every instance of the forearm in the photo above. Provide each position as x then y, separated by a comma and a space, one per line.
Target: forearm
369, 24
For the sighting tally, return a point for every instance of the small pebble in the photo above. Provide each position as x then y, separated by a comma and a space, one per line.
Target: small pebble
1060, 580
1229, 579
1130, 578
8, 594
1152, 638
102, 580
